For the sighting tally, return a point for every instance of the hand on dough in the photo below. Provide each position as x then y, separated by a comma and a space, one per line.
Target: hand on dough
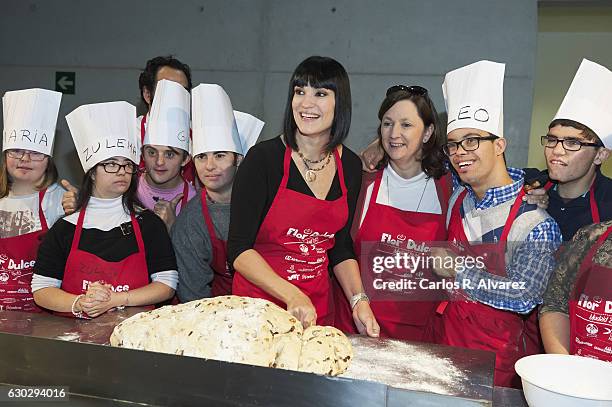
365, 320
301, 307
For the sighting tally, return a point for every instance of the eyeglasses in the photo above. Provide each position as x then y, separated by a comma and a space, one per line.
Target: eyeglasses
468, 144
568, 144
113, 168
19, 154
414, 90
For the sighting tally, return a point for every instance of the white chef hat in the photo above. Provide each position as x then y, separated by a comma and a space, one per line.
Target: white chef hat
168, 121
589, 100
474, 97
30, 117
249, 128
104, 130
214, 126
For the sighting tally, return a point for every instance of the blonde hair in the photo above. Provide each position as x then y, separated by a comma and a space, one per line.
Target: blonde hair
49, 177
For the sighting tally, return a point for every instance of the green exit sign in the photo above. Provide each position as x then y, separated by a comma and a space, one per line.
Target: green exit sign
65, 82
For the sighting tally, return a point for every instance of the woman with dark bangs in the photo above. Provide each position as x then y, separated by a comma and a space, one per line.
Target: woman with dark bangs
110, 253
293, 202
402, 210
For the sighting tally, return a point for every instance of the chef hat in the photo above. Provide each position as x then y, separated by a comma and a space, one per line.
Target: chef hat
104, 130
474, 97
213, 121
168, 121
30, 117
589, 100
249, 128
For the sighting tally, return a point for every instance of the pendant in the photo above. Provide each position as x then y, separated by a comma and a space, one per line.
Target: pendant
310, 175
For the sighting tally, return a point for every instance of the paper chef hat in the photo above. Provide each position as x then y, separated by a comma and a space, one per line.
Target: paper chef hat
30, 117
214, 126
168, 122
474, 97
589, 100
104, 130
249, 128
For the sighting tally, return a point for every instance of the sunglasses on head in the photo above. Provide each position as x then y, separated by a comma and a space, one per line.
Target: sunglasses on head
414, 90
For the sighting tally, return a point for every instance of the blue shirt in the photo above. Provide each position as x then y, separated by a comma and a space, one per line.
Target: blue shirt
531, 264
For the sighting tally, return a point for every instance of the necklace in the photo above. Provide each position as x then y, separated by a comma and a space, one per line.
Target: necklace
422, 192
311, 161
311, 173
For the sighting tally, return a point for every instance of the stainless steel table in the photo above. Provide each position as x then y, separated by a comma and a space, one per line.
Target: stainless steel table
51, 350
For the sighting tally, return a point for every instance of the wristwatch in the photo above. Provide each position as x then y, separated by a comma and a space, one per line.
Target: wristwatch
358, 297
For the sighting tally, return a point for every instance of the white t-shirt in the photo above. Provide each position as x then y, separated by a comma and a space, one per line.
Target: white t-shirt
418, 192
19, 214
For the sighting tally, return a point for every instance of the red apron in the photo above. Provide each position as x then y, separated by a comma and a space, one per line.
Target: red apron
407, 314
476, 325
222, 280
590, 308
188, 171
83, 268
185, 197
294, 239
17, 259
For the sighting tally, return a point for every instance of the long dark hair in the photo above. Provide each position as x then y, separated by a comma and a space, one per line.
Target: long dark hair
432, 157
129, 198
327, 73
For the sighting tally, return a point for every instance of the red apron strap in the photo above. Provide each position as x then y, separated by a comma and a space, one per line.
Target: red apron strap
137, 233
376, 187
340, 171
78, 230
548, 185
143, 122
41, 213
444, 193
512, 215
185, 198
594, 208
286, 166
207, 218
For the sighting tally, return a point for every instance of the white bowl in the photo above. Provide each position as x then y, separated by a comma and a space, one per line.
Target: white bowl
565, 381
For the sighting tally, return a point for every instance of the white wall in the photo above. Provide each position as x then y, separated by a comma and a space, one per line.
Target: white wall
251, 47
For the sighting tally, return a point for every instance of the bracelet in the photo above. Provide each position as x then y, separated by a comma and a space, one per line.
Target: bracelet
72, 308
127, 301
358, 297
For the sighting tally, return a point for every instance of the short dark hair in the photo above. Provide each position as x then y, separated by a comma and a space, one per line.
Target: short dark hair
327, 73
586, 131
129, 199
433, 160
148, 75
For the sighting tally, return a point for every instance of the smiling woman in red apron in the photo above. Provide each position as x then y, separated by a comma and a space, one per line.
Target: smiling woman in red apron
293, 202
576, 316
401, 207
109, 253
29, 197
200, 232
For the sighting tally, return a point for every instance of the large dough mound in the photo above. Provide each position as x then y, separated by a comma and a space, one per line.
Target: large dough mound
230, 328
236, 329
325, 350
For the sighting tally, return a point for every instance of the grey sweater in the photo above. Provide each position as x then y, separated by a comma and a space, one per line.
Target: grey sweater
193, 247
